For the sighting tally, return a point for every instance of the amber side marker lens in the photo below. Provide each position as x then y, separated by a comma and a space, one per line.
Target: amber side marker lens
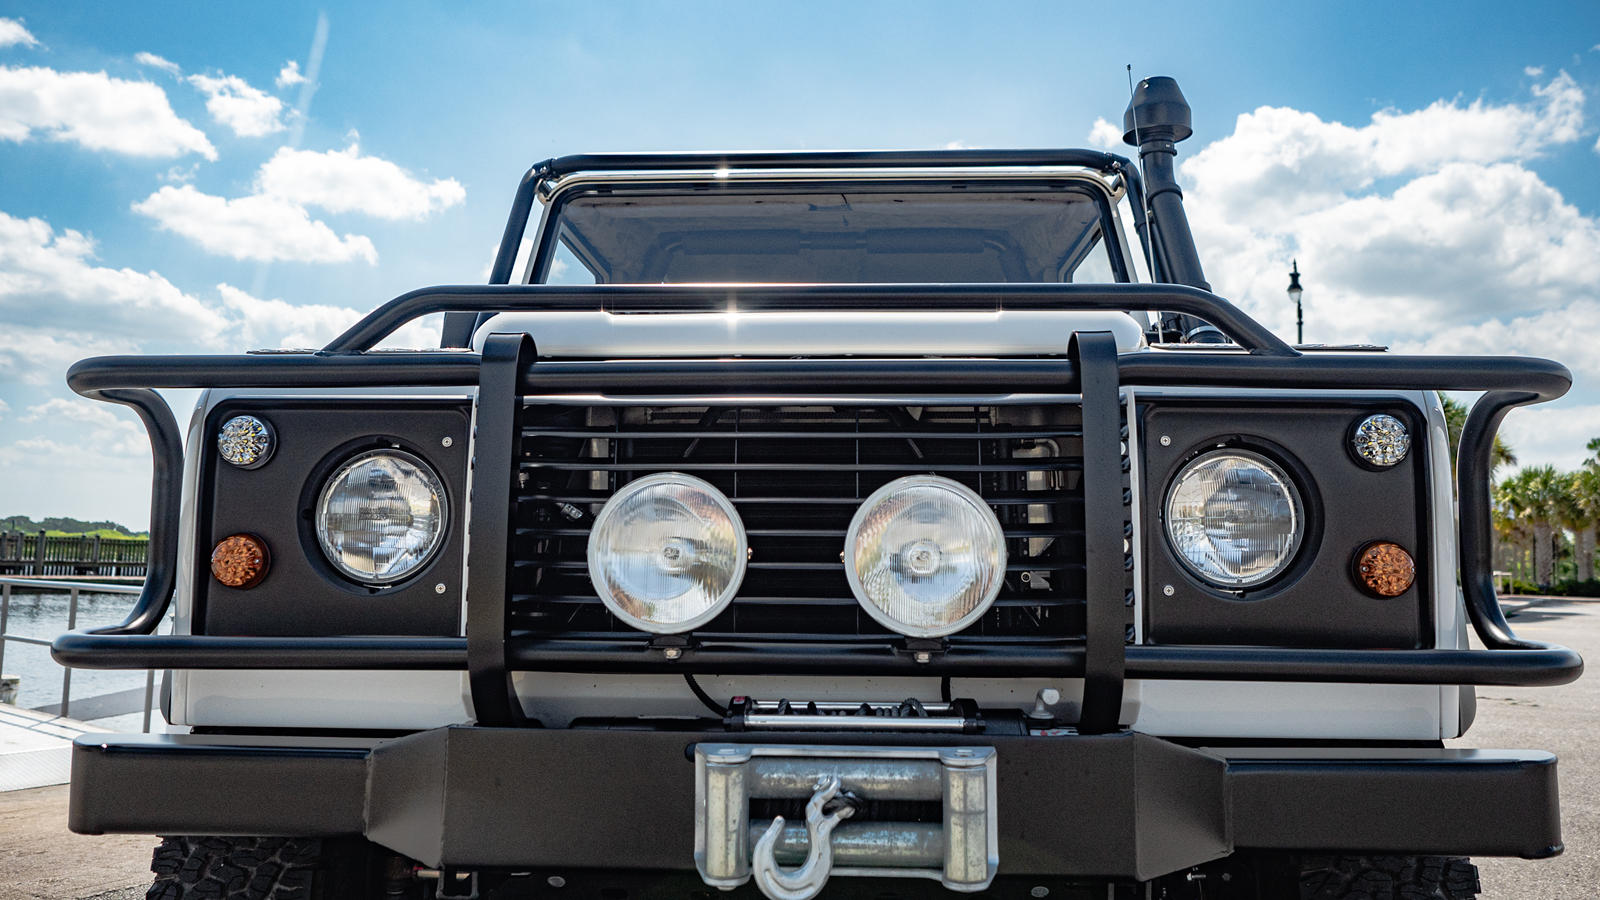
1385, 569
240, 561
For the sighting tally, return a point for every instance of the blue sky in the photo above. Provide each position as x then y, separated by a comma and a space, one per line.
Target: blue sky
190, 230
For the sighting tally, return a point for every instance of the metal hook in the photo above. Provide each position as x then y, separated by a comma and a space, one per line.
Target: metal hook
808, 880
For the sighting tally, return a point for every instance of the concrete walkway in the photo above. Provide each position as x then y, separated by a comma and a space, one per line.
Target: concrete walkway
41, 860
35, 747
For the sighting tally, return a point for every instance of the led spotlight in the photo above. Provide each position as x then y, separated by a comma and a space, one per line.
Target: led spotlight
925, 556
667, 553
246, 441
1381, 440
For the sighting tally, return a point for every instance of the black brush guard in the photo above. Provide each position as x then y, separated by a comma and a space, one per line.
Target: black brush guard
506, 371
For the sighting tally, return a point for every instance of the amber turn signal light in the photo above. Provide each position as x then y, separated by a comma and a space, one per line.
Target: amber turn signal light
1385, 569
240, 561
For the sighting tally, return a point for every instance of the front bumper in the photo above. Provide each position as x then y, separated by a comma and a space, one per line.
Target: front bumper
1120, 805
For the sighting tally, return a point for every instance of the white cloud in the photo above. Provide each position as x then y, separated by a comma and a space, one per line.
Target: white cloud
47, 280
1533, 71
248, 111
4, 408
1428, 230
345, 181
289, 75
1105, 135
257, 227
96, 111
255, 323
156, 62
12, 34
1293, 160
1471, 232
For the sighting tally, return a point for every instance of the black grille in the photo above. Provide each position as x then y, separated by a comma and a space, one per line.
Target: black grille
797, 474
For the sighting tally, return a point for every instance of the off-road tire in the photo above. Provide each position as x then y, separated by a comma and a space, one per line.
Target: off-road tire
1387, 878
258, 868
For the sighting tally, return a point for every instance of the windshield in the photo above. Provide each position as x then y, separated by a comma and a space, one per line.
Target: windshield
951, 234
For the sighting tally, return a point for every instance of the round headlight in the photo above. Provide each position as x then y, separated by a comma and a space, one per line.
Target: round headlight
667, 553
381, 516
1234, 518
925, 556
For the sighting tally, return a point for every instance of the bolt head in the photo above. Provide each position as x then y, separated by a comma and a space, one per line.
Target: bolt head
1038, 890
555, 881
673, 652
445, 442
1168, 590
923, 656
1166, 440
439, 588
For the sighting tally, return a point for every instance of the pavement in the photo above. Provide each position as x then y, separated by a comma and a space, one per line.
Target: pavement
1566, 721
41, 860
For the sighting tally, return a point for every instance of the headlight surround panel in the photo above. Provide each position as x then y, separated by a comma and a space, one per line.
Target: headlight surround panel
1313, 602
304, 595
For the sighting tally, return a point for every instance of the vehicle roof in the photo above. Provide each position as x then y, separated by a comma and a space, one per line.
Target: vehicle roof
827, 159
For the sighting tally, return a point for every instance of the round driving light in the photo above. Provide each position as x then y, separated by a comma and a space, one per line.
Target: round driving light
381, 516
1381, 440
667, 553
925, 556
240, 561
1233, 518
1385, 569
246, 441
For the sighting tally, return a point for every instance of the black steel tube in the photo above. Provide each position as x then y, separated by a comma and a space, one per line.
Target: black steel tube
166, 499
297, 370
383, 321
748, 376
1474, 467
1105, 616
1545, 666
88, 650
494, 463
826, 159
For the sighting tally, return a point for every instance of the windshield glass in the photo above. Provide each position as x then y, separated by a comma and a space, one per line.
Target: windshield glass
951, 235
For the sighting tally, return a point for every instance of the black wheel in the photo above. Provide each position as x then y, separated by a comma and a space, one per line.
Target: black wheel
1387, 878
262, 868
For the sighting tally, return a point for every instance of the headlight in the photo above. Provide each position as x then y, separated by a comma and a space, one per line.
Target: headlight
925, 556
1233, 518
667, 553
381, 516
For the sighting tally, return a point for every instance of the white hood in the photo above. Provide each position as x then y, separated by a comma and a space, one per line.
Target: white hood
774, 334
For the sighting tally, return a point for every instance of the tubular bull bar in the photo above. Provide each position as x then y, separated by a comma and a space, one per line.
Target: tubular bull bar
508, 369
1120, 804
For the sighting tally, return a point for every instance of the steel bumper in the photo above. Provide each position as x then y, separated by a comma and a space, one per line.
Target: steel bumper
1115, 805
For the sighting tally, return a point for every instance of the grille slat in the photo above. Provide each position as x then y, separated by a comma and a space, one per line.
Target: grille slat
797, 475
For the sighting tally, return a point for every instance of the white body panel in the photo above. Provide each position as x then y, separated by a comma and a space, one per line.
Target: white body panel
646, 336
389, 700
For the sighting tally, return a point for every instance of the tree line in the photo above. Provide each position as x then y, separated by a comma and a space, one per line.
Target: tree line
1544, 518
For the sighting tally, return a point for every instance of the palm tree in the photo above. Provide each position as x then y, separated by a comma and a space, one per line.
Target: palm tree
1534, 496
1455, 419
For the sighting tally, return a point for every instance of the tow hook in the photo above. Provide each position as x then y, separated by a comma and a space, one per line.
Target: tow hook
822, 816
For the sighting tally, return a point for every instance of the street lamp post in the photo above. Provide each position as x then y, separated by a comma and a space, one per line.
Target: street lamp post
1295, 290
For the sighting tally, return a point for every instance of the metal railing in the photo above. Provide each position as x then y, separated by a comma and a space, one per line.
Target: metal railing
41, 554
74, 590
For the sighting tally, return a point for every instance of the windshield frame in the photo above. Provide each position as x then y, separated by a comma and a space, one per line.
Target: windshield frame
554, 196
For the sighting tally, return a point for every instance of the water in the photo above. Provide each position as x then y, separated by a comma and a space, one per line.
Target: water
43, 615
